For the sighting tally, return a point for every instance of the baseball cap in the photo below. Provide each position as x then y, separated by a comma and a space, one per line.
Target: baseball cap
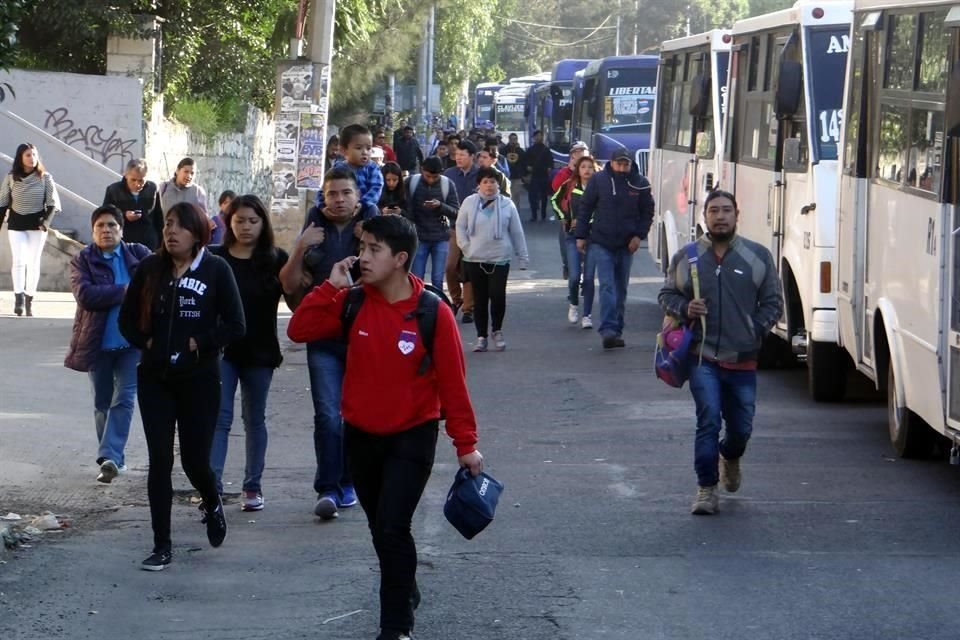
472, 502
579, 144
620, 154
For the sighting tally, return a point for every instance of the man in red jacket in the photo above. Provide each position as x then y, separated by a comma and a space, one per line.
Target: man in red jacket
391, 413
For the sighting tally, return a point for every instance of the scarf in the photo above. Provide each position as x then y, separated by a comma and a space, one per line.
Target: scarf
481, 203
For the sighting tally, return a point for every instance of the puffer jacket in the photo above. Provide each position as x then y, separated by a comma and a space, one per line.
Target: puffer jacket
91, 280
615, 208
742, 292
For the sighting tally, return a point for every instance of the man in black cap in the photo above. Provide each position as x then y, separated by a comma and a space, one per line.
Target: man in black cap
614, 215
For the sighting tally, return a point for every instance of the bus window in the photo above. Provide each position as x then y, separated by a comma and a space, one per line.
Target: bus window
892, 149
926, 149
854, 149
900, 60
934, 41
628, 100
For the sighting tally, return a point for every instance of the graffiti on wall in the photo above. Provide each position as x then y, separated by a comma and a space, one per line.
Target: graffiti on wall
106, 148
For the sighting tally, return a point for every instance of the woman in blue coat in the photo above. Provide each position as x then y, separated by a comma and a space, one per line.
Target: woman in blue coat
99, 275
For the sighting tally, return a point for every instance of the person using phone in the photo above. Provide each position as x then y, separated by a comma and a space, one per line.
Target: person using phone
137, 198
393, 200
433, 206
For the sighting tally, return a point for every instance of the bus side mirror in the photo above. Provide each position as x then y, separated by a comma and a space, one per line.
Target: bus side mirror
699, 105
556, 93
792, 156
789, 89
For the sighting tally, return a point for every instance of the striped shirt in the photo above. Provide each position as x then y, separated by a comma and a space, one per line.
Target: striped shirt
30, 195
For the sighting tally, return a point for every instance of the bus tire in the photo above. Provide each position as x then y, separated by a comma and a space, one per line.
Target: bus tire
775, 353
910, 437
826, 371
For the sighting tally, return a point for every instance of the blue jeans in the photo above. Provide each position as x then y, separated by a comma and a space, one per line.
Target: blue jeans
437, 252
326, 369
580, 266
721, 395
114, 381
254, 387
613, 270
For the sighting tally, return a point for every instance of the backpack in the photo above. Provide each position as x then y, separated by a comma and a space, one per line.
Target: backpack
428, 305
671, 358
414, 181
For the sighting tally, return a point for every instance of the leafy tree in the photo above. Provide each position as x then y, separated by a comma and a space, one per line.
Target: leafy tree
761, 7
11, 12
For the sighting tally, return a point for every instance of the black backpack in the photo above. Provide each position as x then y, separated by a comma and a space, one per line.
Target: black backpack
428, 305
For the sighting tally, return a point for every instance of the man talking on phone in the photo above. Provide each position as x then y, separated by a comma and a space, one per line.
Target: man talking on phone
433, 206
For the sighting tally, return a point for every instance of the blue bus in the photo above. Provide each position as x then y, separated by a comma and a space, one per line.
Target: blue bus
482, 107
614, 106
554, 108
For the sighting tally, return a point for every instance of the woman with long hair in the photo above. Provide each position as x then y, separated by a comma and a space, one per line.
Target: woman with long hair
181, 308
565, 202
393, 200
29, 194
248, 247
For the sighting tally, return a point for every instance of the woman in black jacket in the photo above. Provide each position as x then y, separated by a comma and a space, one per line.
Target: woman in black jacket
248, 247
137, 198
393, 200
182, 307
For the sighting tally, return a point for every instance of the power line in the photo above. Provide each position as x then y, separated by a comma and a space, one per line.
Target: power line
527, 41
537, 38
553, 26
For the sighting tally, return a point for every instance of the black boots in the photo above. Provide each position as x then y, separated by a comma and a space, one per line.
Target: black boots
18, 304
29, 305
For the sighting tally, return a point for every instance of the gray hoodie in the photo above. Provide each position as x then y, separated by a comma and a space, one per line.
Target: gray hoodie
491, 234
742, 293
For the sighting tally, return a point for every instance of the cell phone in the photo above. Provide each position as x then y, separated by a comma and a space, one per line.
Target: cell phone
349, 279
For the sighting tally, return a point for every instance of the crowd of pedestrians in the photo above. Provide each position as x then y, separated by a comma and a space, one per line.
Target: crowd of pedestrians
178, 310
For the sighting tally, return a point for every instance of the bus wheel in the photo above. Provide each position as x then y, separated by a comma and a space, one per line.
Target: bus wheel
826, 371
775, 353
910, 437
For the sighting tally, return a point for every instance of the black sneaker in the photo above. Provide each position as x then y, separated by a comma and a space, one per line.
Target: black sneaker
467, 318
387, 634
158, 561
613, 342
216, 526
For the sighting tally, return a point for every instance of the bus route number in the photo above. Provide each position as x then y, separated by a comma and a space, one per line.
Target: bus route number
830, 122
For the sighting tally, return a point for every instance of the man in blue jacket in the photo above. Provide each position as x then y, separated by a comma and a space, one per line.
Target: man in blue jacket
614, 215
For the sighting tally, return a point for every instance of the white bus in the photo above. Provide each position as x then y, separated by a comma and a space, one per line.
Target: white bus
687, 143
510, 112
899, 220
787, 73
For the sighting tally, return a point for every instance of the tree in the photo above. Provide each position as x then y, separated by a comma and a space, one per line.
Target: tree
761, 7
458, 51
11, 13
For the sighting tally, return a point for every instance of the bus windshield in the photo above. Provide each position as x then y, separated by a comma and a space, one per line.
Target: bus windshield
628, 99
485, 104
827, 51
510, 117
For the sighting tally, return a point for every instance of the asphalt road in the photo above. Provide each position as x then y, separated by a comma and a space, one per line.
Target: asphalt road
830, 536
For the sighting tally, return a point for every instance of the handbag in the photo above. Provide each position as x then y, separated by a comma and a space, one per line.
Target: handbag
472, 502
671, 358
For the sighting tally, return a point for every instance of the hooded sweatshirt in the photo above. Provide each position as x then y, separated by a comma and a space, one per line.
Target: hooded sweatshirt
615, 208
382, 392
203, 304
489, 230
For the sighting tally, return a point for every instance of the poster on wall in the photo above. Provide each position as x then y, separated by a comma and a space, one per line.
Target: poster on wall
296, 87
288, 127
311, 150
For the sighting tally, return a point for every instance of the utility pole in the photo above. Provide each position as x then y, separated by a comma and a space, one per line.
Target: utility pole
322, 16
636, 24
425, 69
619, 21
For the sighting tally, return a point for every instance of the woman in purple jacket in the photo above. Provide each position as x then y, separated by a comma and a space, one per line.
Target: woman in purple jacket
98, 277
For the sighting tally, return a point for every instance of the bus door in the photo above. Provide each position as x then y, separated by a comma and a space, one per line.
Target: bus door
699, 179
788, 133
951, 199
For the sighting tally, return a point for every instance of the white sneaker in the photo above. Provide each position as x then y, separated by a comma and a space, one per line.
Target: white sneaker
498, 342
586, 322
573, 314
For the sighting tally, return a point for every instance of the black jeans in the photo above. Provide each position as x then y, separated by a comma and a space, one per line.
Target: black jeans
539, 193
489, 292
190, 405
389, 474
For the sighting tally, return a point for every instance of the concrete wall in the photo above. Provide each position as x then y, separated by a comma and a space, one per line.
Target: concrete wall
100, 116
240, 162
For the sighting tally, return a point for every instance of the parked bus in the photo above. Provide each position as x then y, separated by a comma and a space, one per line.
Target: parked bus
616, 110
687, 142
536, 78
483, 97
554, 108
899, 215
783, 128
510, 113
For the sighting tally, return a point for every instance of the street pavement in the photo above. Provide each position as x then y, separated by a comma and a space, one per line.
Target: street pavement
830, 536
